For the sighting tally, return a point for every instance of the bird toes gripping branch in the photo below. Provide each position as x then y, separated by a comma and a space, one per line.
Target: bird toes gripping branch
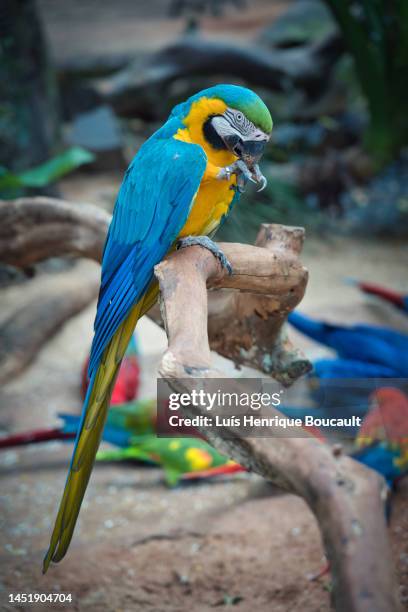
208, 244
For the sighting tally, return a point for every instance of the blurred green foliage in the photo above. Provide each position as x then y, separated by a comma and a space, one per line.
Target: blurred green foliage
376, 35
302, 23
280, 202
13, 184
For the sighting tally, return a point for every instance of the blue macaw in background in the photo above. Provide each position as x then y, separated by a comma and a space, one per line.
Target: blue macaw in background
341, 386
350, 368
137, 418
177, 191
382, 458
131, 428
363, 350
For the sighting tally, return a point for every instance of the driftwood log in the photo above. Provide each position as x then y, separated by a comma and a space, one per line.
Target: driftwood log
130, 90
346, 497
47, 303
34, 229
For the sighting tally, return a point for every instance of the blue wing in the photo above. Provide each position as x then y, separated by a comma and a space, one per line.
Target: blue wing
383, 458
153, 204
365, 343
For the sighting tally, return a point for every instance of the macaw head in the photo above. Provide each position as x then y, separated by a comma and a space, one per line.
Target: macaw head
231, 118
387, 418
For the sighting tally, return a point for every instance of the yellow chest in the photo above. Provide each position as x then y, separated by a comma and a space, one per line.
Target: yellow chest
214, 196
211, 203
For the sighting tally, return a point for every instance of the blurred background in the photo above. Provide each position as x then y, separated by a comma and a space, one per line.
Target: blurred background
82, 85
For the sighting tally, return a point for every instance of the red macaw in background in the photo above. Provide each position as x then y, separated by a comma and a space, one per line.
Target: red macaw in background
123, 422
393, 297
127, 383
382, 441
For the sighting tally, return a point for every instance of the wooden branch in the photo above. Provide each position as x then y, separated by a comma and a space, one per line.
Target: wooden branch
244, 325
346, 498
248, 327
46, 303
34, 229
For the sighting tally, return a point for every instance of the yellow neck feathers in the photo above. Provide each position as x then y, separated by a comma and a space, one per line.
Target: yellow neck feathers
200, 111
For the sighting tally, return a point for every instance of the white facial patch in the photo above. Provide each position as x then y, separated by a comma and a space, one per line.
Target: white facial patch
223, 127
234, 122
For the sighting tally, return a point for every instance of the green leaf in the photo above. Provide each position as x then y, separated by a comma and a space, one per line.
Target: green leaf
48, 172
55, 168
8, 180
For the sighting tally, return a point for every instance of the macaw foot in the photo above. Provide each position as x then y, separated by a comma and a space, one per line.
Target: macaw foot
206, 243
243, 174
259, 177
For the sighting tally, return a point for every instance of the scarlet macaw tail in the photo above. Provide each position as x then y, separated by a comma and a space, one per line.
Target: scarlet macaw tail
399, 300
89, 434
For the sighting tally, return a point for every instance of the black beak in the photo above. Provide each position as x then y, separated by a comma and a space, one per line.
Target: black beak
250, 151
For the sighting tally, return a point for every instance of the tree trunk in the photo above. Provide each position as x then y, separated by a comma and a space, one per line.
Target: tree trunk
28, 116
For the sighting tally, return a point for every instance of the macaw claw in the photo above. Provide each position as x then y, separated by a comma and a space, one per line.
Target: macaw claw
260, 178
210, 245
243, 174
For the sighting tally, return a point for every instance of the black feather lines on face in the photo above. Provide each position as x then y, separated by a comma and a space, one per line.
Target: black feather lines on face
239, 122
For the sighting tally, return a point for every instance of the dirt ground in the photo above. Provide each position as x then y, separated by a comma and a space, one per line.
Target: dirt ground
87, 27
139, 545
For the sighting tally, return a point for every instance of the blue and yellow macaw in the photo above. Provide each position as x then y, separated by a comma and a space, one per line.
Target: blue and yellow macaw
181, 185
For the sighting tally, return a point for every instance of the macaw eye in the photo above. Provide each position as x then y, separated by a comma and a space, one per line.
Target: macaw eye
239, 116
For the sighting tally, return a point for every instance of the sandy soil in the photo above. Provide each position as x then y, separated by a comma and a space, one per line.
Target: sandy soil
127, 26
139, 545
